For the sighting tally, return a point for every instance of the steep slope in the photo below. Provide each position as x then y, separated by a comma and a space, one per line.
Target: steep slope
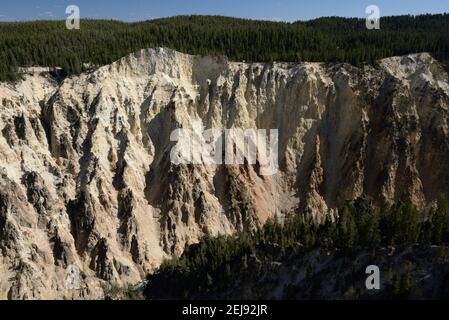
86, 176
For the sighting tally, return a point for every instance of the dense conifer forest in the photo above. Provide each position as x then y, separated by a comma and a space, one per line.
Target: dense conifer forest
224, 263
99, 42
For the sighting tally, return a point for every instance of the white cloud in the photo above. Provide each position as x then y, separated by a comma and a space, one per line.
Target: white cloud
47, 14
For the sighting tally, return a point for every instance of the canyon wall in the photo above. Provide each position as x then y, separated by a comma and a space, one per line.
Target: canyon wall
86, 178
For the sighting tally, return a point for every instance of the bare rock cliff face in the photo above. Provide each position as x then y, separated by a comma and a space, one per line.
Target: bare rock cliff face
86, 177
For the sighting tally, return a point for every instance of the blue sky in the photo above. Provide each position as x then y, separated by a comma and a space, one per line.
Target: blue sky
286, 10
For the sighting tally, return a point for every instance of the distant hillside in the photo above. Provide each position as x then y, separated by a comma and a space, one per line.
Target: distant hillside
49, 43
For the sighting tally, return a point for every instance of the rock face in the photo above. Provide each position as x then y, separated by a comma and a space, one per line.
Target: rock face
86, 178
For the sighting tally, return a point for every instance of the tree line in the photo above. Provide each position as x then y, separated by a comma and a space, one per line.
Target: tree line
99, 42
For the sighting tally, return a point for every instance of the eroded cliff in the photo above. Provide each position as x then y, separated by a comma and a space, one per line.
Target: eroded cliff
86, 177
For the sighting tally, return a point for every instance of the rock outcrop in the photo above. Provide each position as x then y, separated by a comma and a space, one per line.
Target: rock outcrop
86, 178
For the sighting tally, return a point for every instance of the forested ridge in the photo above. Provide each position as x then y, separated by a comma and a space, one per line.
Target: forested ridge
99, 42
